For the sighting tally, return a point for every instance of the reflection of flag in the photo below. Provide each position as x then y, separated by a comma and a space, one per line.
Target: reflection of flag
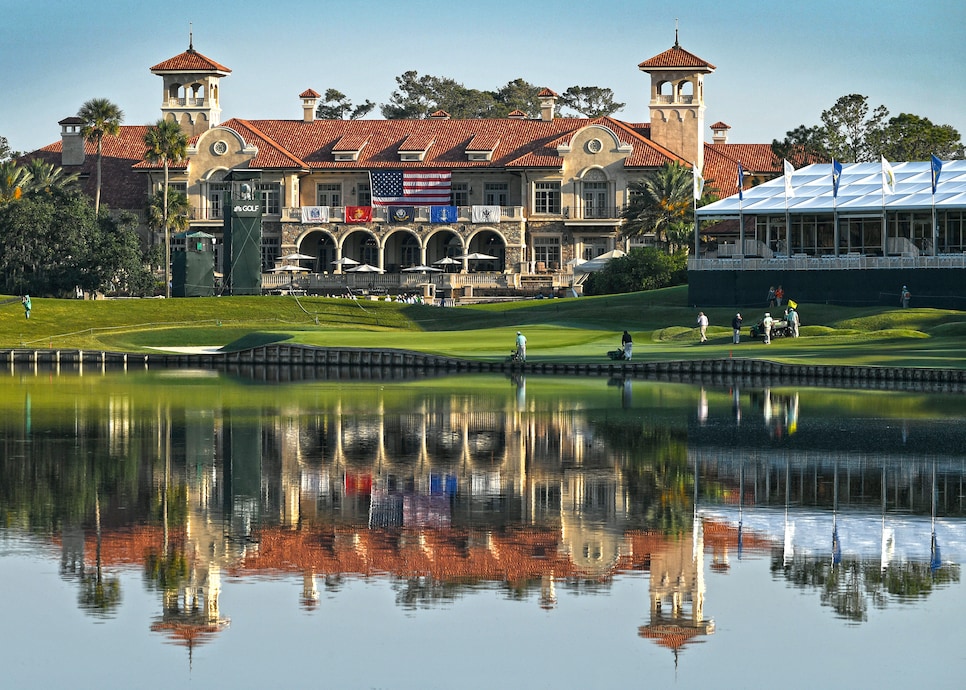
442, 214
836, 177
888, 178
789, 170
401, 214
741, 182
418, 187
936, 167
698, 183
358, 214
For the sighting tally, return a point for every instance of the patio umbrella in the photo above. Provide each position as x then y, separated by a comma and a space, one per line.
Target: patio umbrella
476, 256
364, 268
287, 268
345, 261
447, 261
295, 257
421, 269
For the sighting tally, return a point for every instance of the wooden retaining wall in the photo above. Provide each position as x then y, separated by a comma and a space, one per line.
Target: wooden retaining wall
354, 363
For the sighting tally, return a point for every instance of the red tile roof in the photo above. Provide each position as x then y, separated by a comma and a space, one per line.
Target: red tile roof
121, 188
310, 93
518, 143
675, 57
190, 60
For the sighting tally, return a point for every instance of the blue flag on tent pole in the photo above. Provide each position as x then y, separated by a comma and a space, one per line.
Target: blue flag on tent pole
936, 167
836, 177
741, 179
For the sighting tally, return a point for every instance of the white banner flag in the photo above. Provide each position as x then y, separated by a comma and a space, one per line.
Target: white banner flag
486, 214
315, 214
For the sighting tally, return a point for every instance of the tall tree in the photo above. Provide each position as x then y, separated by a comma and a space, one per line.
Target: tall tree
337, 106
852, 132
5, 152
101, 118
660, 203
174, 217
166, 144
801, 146
591, 101
520, 95
912, 138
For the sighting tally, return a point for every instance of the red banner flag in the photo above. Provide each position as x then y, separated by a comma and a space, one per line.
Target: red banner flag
358, 214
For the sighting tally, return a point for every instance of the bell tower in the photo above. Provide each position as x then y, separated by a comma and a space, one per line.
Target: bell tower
191, 90
677, 101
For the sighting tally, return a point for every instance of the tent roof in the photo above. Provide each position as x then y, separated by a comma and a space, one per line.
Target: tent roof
860, 190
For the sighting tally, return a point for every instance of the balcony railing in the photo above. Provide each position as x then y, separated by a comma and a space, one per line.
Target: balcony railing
380, 214
593, 213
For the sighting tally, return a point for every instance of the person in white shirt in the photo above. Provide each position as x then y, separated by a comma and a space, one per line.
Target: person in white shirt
703, 326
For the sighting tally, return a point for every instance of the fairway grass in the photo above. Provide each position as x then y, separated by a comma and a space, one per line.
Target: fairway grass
579, 330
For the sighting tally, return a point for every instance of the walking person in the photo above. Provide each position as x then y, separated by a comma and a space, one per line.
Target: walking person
26, 306
767, 323
779, 295
792, 316
628, 344
736, 326
521, 347
771, 296
904, 297
703, 326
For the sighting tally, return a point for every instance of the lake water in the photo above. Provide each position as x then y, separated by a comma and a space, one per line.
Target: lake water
176, 528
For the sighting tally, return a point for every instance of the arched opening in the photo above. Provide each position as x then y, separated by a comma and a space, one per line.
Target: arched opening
444, 245
685, 90
487, 243
401, 251
361, 246
321, 246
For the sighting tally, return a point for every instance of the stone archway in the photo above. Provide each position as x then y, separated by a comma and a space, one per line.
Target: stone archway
320, 245
491, 243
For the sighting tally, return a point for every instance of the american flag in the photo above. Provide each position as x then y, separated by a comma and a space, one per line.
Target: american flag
417, 187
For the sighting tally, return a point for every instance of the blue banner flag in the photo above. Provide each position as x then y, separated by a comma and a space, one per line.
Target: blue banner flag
442, 214
401, 214
936, 166
836, 177
741, 182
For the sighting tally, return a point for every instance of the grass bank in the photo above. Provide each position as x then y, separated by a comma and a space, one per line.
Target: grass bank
577, 330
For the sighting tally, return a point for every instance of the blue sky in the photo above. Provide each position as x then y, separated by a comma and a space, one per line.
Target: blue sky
779, 65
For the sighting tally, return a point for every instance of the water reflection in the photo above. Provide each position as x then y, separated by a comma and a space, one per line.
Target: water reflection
449, 488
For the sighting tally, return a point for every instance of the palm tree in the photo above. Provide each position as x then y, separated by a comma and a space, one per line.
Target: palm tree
177, 211
47, 177
101, 118
660, 202
167, 144
14, 180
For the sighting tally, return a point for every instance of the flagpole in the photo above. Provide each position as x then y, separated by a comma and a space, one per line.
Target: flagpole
741, 215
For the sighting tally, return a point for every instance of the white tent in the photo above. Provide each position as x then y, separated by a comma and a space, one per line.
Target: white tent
860, 190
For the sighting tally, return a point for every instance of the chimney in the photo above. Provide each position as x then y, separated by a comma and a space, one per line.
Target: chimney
720, 133
71, 141
439, 115
309, 100
548, 102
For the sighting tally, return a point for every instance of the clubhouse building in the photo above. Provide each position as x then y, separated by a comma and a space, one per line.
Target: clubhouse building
506, 205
